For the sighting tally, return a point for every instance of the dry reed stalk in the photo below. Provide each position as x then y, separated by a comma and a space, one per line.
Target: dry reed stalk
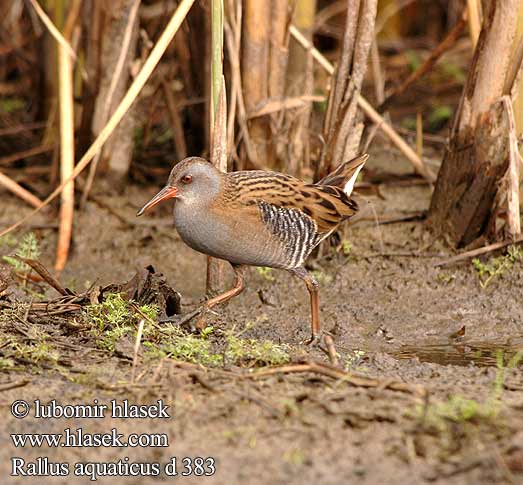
66, 106
19, 191
154, 57
377, 74
514, 84
137, 343
218, 128
278, 53
474, 17
231, 9
232, 26
233, 103
216, 267
343, 127
513, 217
219, 146
52, 29
370, 112
278, 60
255, 65
419, 134
216, 60
176, 122
295, 148
101, 114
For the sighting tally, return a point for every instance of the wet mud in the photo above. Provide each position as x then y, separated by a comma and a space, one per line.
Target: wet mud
393, 316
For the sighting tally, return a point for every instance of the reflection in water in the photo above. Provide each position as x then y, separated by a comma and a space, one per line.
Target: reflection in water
461, 353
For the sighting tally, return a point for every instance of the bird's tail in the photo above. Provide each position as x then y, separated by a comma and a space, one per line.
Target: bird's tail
345, 175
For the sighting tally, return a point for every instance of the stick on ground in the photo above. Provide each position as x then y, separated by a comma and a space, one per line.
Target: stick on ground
478, 252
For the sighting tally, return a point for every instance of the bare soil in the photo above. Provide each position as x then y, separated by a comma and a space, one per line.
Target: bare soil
393, 316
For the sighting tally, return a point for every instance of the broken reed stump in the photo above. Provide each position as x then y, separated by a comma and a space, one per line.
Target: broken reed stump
146, 287
477, 186
474, 181
343, 126
255, 65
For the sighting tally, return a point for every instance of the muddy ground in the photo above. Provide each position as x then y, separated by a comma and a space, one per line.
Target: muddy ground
394, 316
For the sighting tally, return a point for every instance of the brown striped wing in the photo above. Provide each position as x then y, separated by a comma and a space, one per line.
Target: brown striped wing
326, 205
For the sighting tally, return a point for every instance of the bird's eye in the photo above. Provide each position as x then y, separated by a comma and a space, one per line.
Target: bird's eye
187, 179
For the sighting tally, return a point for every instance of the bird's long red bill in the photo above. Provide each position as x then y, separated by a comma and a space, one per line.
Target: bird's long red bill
166, 193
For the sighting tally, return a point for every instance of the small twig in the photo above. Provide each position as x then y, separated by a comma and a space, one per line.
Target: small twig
45, 275
444, 46
331, 350
31, 152
197, 376
272, 106
401, 254
137, 348
103, 205
13, 130
14, 385
419, 134
418, 216
19, 191
274, 412
436, 139
377, 74
477, 252
335, 373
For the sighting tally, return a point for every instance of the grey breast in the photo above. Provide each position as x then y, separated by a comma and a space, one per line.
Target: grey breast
230, 239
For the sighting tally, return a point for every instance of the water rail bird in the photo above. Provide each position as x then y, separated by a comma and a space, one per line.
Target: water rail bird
258, 218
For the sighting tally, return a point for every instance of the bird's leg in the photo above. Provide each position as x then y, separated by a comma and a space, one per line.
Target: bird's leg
313, 287
239, 285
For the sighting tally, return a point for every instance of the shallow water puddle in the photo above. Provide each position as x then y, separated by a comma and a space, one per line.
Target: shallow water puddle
460, 353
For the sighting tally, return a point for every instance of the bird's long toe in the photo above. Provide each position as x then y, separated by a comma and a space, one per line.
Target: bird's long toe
313, 340
184, 319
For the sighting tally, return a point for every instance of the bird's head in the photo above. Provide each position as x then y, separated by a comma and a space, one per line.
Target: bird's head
192, 181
